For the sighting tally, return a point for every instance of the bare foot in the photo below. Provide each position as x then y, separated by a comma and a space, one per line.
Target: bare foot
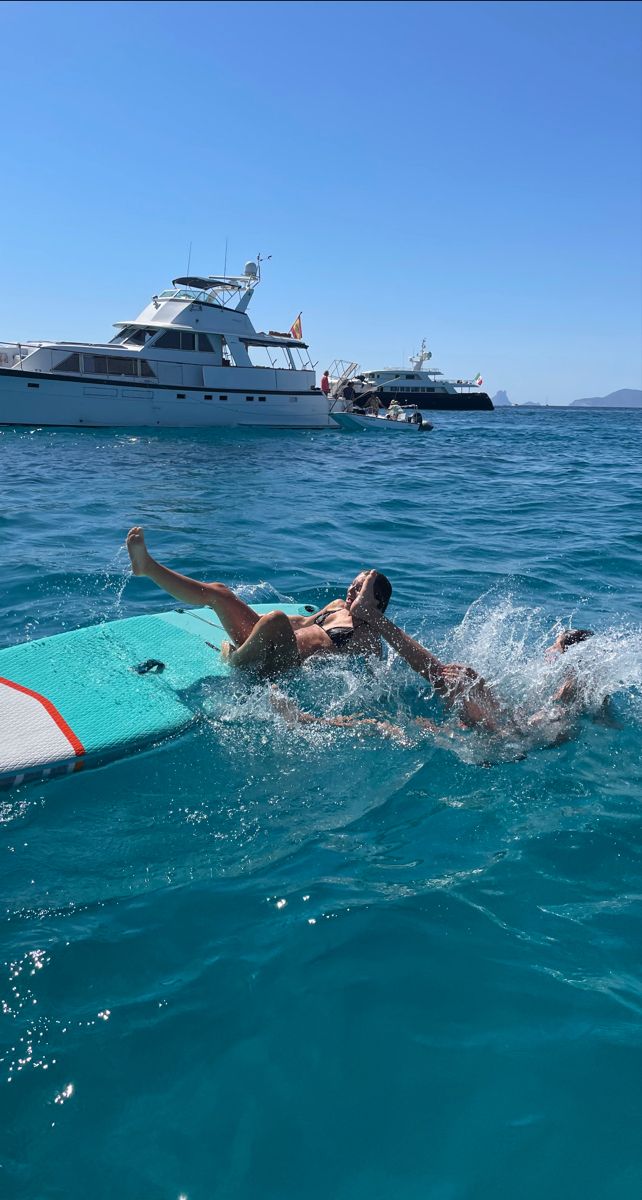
365, 608
137, 550
227, 651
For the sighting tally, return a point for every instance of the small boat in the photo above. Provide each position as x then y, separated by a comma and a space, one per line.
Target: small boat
407, 420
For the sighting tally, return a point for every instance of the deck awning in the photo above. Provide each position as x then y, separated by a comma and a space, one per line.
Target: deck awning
267, 339
205, 282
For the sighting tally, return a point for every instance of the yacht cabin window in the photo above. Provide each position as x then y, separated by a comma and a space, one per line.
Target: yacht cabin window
170, 340
175, 339
100, 364
70, 363
135, 336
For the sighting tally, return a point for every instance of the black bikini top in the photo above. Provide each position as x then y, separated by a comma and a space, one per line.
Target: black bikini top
339, 636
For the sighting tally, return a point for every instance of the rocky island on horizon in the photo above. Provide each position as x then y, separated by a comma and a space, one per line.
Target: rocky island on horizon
623, 398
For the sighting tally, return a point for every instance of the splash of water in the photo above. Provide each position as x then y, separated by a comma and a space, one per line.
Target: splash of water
507, 643
502, 639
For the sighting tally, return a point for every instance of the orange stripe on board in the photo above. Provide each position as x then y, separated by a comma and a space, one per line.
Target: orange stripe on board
50, 708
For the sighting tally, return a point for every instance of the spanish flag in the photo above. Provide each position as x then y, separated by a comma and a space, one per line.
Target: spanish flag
296, 329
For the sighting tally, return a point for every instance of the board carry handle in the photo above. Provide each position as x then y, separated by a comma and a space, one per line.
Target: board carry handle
152, 664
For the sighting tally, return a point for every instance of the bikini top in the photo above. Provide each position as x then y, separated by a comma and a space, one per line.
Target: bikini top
339, 636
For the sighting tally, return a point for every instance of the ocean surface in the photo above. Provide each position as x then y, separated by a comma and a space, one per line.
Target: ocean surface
263, 961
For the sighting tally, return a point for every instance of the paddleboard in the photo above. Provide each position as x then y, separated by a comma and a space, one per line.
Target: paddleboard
81, 698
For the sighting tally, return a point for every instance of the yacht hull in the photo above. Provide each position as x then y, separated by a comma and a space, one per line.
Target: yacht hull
36, 398
441, 401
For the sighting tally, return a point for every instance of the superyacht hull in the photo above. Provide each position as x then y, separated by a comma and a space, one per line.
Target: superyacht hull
440, 401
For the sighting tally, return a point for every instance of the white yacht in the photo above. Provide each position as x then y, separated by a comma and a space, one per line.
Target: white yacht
192, 358
419, 384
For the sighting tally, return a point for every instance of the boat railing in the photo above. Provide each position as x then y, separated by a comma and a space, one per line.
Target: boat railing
340, 372
13, 352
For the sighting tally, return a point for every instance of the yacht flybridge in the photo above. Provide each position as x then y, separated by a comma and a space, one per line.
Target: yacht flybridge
191, 358
420, 385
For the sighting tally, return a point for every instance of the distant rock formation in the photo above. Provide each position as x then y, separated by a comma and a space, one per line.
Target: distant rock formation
625, 398
500, 400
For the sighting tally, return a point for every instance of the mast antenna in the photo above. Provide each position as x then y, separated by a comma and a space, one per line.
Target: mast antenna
225, 263
259, 260
189, 258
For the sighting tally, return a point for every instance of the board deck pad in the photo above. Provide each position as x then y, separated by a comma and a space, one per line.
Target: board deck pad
102, 692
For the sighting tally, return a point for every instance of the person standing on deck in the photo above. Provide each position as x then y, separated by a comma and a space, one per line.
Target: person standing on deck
325, 383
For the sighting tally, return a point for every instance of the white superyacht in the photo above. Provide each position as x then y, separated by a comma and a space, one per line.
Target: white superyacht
421, 385
186, 361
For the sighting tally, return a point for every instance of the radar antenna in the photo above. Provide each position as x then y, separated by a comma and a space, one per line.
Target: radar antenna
417, 360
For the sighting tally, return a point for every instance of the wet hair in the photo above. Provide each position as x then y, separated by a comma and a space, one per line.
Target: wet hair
382, 591
571, 637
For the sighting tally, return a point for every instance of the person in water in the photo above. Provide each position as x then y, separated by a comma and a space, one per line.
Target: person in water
274, 642
460, 687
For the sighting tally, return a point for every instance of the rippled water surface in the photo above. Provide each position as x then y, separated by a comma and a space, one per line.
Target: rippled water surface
269, 962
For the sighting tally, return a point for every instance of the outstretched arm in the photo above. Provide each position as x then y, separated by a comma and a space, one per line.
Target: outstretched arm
365, 609
454, 682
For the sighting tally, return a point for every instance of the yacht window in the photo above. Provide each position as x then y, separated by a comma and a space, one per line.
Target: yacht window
146, 370
99, 364
137, 337
171, 340
122, 366
410, 377
70, 363
204, 344
133, 335
95, 364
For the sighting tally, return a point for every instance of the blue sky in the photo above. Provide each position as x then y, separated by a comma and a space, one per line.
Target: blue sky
464, 172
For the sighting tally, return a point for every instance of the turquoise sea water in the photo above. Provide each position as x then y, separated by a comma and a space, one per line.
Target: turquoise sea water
280, 963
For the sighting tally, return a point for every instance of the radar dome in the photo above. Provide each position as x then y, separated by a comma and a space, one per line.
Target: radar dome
250, 269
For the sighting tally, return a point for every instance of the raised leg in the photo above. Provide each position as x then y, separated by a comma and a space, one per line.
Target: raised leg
236, 617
